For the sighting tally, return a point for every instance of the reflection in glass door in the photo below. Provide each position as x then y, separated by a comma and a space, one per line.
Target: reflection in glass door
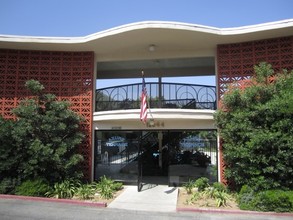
116, 155
178, 155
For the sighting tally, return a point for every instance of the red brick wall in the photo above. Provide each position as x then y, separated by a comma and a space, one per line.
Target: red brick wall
235, 62
68, 75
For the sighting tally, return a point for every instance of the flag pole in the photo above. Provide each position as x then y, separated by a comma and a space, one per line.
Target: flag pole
145, 105
148, 102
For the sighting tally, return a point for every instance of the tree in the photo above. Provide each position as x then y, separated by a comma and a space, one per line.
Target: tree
10, 157
44, 138
255, 122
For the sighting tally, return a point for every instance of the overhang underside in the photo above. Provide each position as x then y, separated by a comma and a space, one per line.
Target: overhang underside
196, 66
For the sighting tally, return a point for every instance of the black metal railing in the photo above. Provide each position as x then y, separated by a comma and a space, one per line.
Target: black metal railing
160, 95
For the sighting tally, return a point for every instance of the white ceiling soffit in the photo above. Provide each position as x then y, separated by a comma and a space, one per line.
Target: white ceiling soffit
171, 40
157, 67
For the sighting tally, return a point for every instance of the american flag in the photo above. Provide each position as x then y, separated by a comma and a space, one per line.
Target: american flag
143, 104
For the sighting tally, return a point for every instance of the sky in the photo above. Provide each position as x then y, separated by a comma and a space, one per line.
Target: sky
83, 17
72, 18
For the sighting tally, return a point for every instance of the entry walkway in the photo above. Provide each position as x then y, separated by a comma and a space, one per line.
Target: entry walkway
158, 198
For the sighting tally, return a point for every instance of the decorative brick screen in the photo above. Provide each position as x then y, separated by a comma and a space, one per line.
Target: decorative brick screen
68, 75
235, 62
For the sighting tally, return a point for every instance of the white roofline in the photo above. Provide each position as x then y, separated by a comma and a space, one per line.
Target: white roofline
150, 24
258, 27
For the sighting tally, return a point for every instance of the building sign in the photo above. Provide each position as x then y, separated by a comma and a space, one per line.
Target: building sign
117, 141
191, 142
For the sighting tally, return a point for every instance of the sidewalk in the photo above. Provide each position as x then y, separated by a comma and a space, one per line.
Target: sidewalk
155, 198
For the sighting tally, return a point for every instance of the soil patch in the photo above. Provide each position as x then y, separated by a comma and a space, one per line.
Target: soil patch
184, 201
98, 199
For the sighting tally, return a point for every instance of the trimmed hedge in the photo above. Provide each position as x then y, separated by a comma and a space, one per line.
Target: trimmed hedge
266, 201
275, 200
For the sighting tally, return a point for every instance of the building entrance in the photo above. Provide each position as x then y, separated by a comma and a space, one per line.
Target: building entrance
169, 156
154, 157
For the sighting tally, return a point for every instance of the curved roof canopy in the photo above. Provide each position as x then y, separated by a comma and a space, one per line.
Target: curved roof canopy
161, 48
170, 40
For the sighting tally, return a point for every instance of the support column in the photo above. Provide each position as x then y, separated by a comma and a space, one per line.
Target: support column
160, 92
160, 137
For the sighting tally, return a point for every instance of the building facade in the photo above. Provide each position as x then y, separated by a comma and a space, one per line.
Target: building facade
180, 124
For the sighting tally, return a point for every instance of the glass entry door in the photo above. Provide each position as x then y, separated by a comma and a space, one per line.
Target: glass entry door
116, 155
138, 157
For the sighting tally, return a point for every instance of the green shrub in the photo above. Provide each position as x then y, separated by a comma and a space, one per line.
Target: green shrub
69, 188
219, 187
37, 187
290, 194
85, 191
245, 189
202, 183
63, 190
221, 198
246, 198
274, 200
269, 200
194, 197
117, 186
188, 186
8, 185
218, 192
255, 124
107, 187
43, 141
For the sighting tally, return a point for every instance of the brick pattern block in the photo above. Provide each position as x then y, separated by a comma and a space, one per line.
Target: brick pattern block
235, 62
68, 75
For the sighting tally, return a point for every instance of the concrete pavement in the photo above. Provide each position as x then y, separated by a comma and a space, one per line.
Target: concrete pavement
155, 198
16, 209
